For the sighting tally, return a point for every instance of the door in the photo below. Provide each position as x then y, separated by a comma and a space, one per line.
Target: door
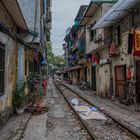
120, 81
94, 78
138, 80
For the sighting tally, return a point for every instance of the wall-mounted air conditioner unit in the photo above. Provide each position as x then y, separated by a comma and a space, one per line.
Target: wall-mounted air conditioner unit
98, 38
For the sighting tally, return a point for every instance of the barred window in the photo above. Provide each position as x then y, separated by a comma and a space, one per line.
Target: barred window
2, 70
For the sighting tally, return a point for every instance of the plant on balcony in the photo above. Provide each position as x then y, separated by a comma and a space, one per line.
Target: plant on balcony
19, 97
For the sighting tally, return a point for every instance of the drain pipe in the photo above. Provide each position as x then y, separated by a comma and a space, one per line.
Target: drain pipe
34, 22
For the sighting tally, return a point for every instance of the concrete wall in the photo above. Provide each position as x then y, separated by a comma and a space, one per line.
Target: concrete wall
103, 72
11, 53
91, 45
28, 9
103, 80
124, 58
88, 74
21, 62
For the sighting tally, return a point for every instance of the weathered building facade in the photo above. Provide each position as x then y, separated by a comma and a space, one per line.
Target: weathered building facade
122, 53
93, 39
72, 50
23, 38
9, 53
108, 48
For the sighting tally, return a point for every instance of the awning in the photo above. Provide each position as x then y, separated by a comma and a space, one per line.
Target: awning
73, 68
93, 6
116, 13
89, 13
15, 12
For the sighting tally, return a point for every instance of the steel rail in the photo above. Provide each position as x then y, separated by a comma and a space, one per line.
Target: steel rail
107, 114
78, 116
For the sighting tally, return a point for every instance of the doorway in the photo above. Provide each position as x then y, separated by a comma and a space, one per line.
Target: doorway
94, 78
138, 81
120, 81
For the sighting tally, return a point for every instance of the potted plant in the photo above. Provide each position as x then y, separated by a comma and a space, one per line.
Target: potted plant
19, 97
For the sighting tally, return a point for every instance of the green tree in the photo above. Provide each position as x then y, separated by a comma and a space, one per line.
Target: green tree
50, 55
55, 62
59, 61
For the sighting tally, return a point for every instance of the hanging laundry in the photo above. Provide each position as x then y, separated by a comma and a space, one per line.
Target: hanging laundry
129, 73
113, 49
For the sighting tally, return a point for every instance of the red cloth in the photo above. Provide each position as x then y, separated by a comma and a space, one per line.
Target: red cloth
44, 84
93, 58
129, 74
113, 49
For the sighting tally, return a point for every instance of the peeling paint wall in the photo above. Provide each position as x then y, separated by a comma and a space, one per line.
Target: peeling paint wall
103, 72
28, 9
103, 80
11, 49
91, 45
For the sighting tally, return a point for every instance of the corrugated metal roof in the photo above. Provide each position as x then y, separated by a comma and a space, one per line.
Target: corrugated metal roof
116, 13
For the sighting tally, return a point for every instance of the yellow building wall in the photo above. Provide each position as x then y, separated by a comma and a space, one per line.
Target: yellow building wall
11, 55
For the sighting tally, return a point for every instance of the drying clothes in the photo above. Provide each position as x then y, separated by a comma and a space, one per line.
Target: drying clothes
130, 42
95, 58
113, 49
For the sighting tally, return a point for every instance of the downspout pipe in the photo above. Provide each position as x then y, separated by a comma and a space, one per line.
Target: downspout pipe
35, 20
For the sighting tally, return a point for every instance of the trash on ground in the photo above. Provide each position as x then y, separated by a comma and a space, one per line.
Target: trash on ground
82, 108
94, 109
93, 115
75, 101
102, 108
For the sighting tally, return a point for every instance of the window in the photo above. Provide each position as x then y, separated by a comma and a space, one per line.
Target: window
2, 70
92, 32
91, 35
117, 35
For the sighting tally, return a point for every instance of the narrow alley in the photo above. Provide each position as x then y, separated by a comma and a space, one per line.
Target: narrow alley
69, 69
59, 123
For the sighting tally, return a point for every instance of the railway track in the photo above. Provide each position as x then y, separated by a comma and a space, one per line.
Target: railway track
106, 129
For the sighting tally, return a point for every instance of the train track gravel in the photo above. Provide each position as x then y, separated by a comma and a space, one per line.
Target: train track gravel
99, 129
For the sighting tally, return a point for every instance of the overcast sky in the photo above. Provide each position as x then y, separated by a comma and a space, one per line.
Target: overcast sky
63, 14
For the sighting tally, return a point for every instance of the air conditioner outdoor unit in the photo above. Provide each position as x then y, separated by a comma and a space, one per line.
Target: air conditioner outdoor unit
98, 38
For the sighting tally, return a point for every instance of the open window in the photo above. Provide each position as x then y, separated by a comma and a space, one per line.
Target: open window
92, 32
117, 35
